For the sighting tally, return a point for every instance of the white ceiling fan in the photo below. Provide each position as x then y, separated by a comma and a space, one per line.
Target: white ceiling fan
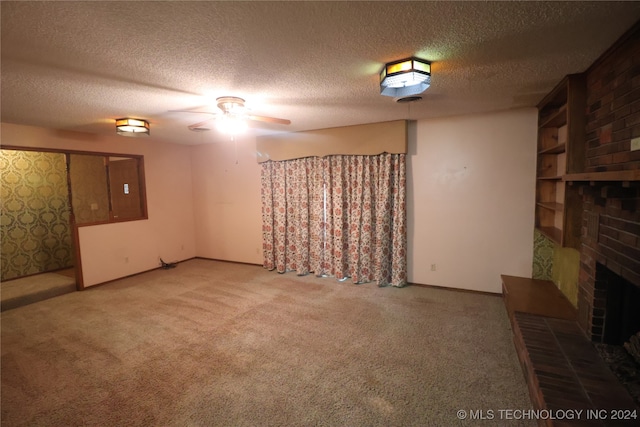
232, 117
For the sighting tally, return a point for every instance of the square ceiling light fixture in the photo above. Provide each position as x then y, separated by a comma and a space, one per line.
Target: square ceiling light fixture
132, 127
406, 77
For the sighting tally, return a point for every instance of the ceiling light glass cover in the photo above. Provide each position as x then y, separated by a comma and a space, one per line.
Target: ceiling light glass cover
406, 77
132, 127
231, 123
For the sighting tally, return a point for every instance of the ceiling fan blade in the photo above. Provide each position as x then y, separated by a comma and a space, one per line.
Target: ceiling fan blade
198, 127
193, 111
269, 120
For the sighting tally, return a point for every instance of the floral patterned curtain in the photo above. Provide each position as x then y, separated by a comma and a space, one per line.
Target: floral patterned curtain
341, 216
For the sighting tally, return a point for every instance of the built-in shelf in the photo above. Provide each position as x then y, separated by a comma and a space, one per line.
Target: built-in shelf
561, 151
556, 149
552, 206
557, 119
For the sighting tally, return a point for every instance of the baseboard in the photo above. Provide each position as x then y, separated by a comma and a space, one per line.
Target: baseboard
472, 291
224, 260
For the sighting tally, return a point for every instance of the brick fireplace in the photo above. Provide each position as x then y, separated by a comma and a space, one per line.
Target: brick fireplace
610, 250
609, 259
563, 367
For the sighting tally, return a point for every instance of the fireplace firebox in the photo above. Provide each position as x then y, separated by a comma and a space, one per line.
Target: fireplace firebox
620, 312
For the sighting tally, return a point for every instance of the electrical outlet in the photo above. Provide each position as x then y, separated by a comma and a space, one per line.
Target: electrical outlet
433, 267
126, 260
635, 144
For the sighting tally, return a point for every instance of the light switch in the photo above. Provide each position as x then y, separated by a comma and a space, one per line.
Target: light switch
126, 189
635, 144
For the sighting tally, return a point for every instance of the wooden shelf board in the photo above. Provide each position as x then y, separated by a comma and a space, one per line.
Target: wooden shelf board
553, 233
551, 178
628, 175
553, 206
557, 119
556, 149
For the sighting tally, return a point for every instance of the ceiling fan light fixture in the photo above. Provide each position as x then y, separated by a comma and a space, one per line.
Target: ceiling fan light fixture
233, 117
132, 127
406, 77
231, 124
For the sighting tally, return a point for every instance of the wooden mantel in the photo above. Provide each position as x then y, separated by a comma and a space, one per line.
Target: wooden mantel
626, 175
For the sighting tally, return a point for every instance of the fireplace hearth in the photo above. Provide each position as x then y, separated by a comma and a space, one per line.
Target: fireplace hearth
623, 366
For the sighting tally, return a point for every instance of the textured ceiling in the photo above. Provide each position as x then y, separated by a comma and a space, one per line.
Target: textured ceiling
80, 65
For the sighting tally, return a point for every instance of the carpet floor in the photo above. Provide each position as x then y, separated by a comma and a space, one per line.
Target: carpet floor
220, 344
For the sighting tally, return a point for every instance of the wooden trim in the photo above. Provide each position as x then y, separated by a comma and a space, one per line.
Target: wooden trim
107, 170
445, 288
78, 258
626, 175
143, 188
42, 150
75, 235
224, 260
113, 221
576, 123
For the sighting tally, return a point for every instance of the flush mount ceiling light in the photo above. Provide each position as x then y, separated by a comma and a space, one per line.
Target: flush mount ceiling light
406, 77
132, 127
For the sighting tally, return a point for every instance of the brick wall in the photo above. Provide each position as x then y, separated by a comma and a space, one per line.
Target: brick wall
611, 220
613, 108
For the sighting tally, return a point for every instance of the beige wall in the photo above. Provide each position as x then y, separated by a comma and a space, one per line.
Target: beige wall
470, 203
471, 199
111, 251
227, 204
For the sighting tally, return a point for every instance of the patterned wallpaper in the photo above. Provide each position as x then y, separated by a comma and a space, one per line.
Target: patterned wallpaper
90, 194
543, 252
558, 264
34, 226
